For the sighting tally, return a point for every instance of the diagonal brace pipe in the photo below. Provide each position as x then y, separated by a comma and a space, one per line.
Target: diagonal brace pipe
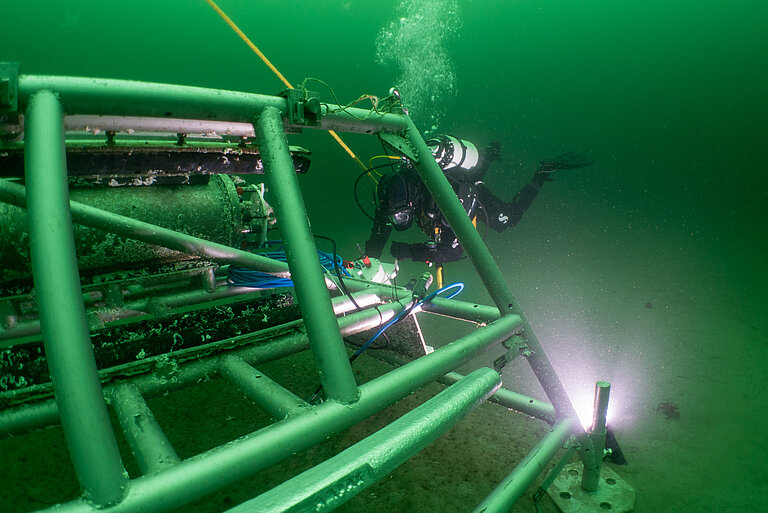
300, 251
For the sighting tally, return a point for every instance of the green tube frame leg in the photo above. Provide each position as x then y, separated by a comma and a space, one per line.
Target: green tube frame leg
313, 296
71, 362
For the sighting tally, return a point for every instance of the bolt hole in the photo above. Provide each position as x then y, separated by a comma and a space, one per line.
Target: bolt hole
610, 481
605, 505
573, 472
565, 495
168, 114
530, 401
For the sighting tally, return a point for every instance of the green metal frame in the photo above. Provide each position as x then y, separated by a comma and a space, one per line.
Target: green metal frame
81, 402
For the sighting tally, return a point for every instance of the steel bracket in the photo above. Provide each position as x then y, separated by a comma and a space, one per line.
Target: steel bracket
400, 144
303, 107
9, 87
10, 125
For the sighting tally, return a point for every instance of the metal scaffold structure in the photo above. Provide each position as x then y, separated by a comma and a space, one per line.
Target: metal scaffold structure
40, 112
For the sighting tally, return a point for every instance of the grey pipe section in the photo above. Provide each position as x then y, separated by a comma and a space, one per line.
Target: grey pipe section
301, 252
593, 463
207, 472
205, 127
258, 388
131, 228
149, 445
512, 487
335, 481
71, 362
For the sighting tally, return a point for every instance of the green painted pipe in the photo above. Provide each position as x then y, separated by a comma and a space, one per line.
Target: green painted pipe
512, 487
152, 234
449, 204
149, 445
463, 310
509, 399
259, 389
71, 362
110, 97
333, 482
301, 253
360, 120
133, 98
205, 473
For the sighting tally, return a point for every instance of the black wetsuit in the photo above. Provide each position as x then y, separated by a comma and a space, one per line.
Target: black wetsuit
443, 246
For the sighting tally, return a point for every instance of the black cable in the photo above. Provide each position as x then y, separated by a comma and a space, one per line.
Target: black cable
485, 214
357, 182
357, 199
342, 285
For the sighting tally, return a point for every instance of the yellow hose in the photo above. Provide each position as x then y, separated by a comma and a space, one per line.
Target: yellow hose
271, 66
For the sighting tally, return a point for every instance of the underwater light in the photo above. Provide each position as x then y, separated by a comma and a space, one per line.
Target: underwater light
583, 401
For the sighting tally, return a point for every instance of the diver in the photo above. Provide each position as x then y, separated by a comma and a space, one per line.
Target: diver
403, 199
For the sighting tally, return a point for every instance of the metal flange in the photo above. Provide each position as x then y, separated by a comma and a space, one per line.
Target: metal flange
613, 493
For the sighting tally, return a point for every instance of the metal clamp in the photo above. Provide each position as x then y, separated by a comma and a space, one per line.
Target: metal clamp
9, 87
303, 107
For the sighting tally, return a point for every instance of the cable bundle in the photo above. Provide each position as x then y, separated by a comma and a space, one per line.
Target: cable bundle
241, 277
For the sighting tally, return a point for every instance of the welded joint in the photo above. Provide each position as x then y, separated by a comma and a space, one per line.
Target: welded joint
515, 346
400, 144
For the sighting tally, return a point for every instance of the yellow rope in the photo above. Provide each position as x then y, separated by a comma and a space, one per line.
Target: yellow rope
271, 66
253, 47
346, 148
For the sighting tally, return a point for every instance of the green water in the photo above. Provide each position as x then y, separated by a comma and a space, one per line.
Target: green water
668, 98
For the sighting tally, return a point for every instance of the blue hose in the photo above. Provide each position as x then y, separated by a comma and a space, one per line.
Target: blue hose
241, 277
407, 311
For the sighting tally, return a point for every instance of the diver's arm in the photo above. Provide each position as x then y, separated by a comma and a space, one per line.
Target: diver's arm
491, 154
502, 214
380, 232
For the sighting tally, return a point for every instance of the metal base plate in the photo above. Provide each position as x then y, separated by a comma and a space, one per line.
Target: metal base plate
613, 494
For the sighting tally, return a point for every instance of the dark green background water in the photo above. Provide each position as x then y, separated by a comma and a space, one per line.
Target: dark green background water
668, 98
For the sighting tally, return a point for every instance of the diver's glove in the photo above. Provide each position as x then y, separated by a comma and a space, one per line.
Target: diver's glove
570, 160
493, 151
